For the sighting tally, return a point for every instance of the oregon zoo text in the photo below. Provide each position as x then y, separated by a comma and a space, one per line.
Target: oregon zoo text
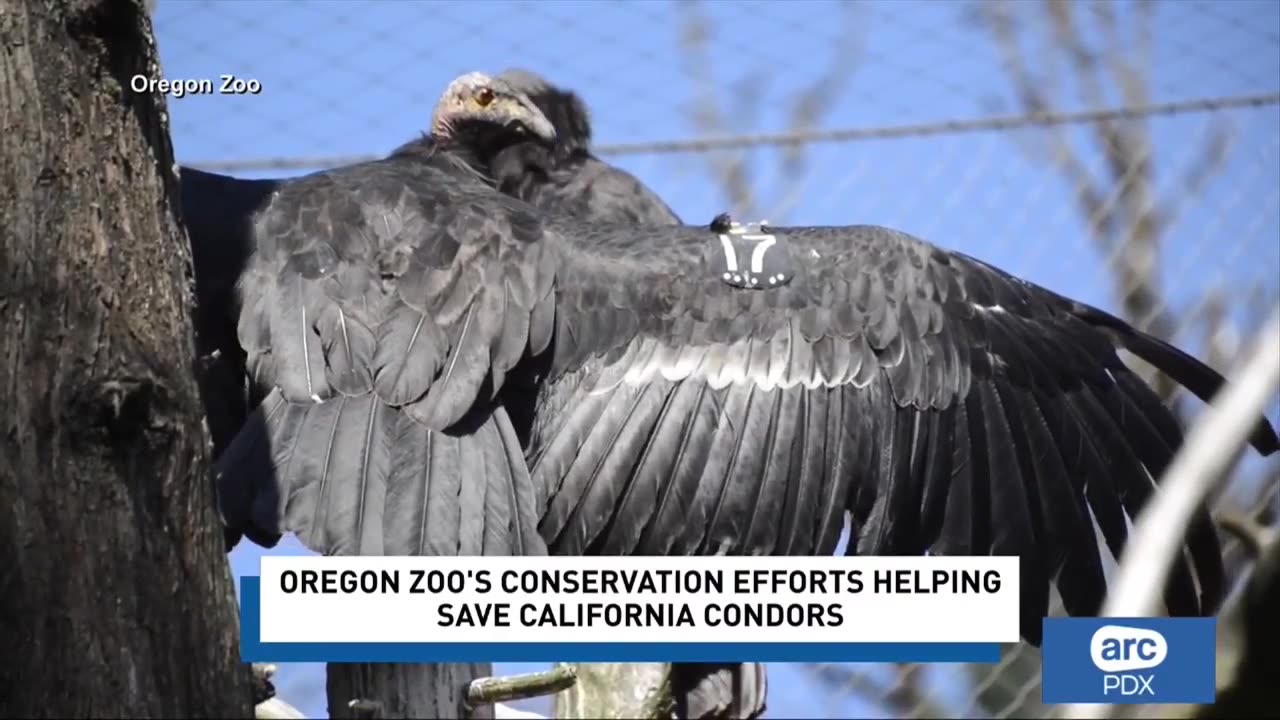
224, 85
380, 582
332, 582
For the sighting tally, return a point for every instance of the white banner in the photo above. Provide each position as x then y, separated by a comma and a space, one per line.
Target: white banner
692, 600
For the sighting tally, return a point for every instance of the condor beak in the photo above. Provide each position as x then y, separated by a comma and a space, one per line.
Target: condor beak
532, 119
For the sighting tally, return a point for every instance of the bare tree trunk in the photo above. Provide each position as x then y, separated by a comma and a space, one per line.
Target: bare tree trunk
405, 691
115, 594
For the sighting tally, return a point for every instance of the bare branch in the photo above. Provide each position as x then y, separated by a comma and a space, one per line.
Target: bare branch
998, 17
1209, 162
731, 171
1121, 210
486, 691
711, 107
814, 103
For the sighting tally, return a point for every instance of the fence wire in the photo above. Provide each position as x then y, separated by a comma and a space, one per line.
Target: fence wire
1126, 154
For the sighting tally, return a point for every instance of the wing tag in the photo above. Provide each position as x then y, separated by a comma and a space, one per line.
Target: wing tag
750, 256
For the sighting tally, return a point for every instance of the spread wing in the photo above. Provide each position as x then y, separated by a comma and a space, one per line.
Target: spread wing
381, 305
666, 407
347, 508
949, 407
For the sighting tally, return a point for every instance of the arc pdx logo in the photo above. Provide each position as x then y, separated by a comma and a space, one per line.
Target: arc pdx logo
1121, 653
1128, 660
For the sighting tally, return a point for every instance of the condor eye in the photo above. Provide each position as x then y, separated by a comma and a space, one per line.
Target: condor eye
484, 97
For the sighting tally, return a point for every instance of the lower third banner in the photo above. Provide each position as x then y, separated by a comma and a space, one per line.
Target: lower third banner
632, 609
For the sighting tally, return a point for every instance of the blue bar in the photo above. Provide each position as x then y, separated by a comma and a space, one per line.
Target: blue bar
253, 650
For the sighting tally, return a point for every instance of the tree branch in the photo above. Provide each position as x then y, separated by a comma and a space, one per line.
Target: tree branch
711, 105
488, 691
1121, 211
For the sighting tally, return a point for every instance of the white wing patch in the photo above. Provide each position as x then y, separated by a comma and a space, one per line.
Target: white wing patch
987, 308
783, 361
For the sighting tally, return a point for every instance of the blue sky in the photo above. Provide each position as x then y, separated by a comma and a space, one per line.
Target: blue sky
351, 77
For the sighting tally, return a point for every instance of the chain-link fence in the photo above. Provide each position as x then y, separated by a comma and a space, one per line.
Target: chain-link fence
1127, 154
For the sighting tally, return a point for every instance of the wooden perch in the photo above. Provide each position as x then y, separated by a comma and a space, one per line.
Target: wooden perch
277, 709
493, 690
383, 691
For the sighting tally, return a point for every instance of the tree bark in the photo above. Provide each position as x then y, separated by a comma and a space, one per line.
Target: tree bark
115, 593
618, 690
405, 691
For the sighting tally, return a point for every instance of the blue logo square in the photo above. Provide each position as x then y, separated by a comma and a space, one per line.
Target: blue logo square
1118, 661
